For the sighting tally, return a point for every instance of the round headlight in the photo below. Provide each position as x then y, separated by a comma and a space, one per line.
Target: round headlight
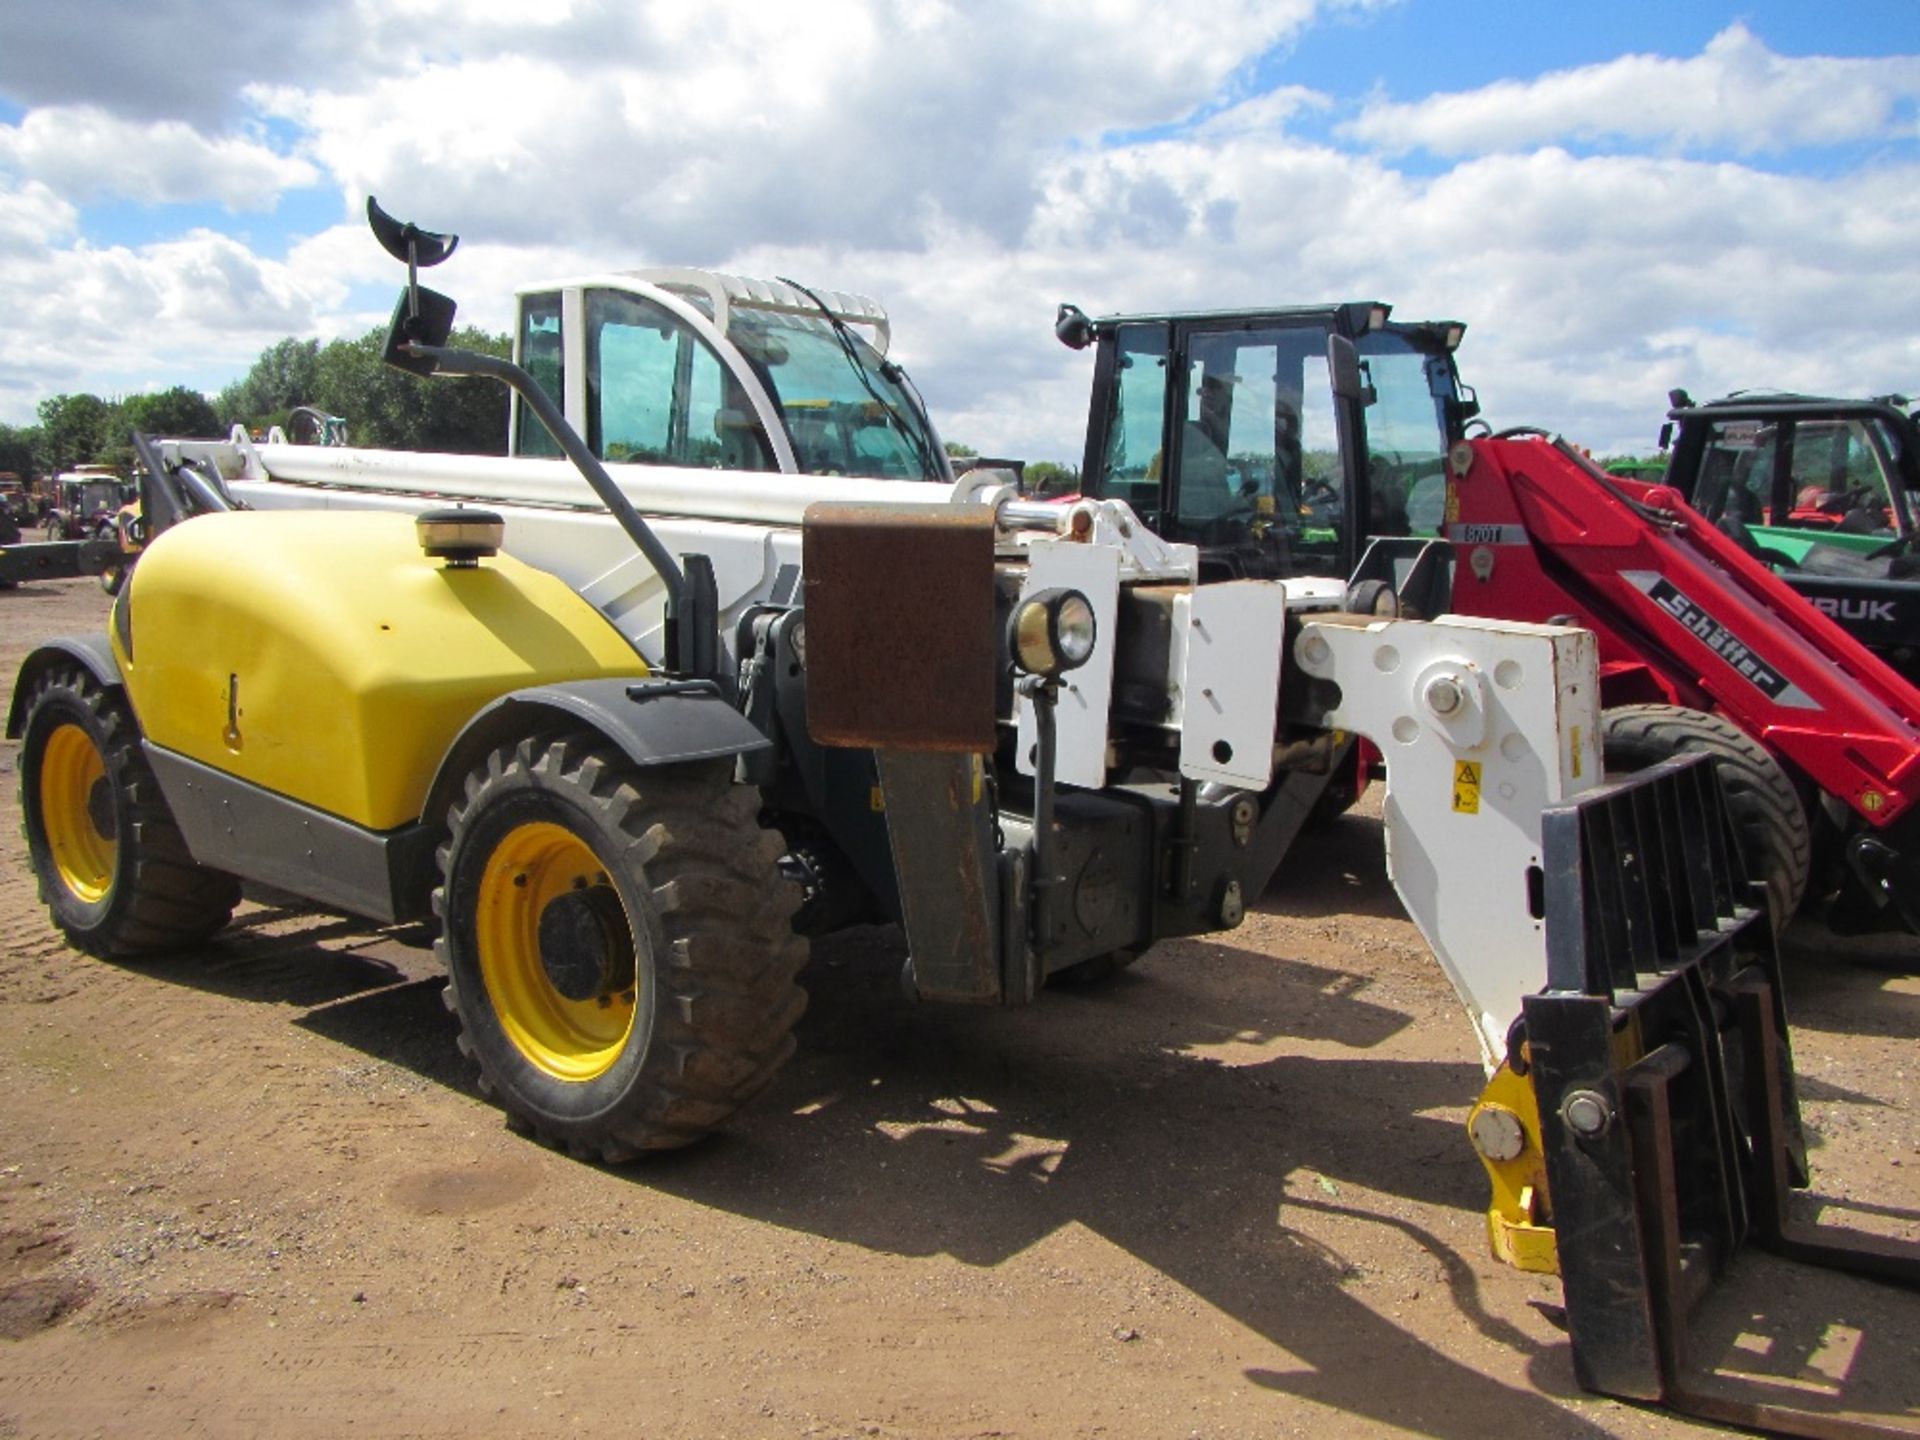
1074, 629
1052, 631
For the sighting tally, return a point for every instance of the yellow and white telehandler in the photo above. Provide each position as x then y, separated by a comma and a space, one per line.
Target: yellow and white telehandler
722, 656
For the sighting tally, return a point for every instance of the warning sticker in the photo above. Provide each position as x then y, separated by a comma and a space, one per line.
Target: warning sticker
1466, 787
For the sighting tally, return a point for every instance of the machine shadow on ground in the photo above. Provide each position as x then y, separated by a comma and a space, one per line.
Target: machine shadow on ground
1168, 1111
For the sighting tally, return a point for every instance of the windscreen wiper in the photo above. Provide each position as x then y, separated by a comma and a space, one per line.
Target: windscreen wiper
843, 333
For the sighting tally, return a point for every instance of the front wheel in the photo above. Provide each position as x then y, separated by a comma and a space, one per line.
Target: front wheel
619, 945
113, 869
1768, 820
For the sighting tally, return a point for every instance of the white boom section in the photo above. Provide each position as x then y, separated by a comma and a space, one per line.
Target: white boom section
1483, 724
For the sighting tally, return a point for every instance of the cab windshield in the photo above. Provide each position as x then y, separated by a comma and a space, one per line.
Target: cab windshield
845, 411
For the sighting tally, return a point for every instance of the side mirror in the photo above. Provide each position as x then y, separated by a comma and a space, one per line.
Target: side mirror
421, 317
1666, 437
1072, 327
1343, 365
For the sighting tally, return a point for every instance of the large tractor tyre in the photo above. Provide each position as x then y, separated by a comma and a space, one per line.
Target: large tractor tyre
110, 861
619, 945
1767, 815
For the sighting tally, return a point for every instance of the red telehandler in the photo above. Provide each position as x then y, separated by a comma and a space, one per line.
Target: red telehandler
1687, 618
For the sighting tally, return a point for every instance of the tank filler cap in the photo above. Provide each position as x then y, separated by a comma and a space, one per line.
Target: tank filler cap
462, 538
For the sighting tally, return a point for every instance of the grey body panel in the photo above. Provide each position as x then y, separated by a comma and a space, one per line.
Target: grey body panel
238, 827
95, 652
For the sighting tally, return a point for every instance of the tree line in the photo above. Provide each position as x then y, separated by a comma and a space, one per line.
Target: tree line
383, 407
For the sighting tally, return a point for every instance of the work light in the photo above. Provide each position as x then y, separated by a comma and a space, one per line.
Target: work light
1052, 632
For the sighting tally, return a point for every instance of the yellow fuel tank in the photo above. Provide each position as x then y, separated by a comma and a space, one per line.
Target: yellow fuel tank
323, 656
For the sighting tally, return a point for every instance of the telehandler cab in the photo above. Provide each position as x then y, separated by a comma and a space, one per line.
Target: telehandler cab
720, 711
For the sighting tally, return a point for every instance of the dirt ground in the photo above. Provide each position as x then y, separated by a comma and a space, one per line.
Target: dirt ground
253, 1191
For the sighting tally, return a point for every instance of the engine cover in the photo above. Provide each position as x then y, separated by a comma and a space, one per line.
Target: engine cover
322, 656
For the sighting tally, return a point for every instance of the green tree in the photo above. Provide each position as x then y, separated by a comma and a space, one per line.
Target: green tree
20, 449
959, 450
390, 409
72, 429
285, 375
178, 412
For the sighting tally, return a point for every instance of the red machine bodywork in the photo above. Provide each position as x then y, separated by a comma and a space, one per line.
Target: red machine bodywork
1683, 615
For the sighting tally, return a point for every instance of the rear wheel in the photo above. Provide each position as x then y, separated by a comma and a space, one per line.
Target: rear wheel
619, 945
113, 869
1767, 815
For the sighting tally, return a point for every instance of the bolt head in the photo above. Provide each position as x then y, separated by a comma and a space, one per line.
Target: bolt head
1587, 1113
1497, 1132
1444, 695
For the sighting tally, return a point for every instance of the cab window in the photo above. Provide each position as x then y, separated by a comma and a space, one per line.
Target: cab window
1837, 478
1259, 448
1736, 472
1130, 469
542, 357
1406, 435
657, 394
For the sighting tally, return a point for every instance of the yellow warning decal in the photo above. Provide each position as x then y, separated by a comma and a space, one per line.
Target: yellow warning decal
1466, 787
877, 799
1576, 752
1452, 513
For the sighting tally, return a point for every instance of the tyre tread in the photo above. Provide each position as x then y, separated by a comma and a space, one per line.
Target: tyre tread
164, 900
1761, 799
726, 993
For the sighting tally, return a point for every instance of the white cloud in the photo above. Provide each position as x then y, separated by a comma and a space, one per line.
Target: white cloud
88, 155
80, 317
957, 162
33, 217
165, 59
681, 132
1736, 94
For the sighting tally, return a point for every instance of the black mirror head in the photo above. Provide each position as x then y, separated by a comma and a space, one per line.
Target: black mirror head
1344, 369
1072, 327
431, 326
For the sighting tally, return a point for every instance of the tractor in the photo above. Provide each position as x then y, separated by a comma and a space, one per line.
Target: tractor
1825, 492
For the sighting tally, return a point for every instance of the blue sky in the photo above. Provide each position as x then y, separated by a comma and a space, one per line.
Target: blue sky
1618, 197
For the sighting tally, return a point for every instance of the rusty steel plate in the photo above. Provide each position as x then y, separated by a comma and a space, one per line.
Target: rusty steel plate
901, 647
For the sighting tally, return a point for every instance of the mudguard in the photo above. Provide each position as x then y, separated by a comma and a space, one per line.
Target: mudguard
654, 721
94, 652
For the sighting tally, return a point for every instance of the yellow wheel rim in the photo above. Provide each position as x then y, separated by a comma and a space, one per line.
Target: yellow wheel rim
533, 866
76, 812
